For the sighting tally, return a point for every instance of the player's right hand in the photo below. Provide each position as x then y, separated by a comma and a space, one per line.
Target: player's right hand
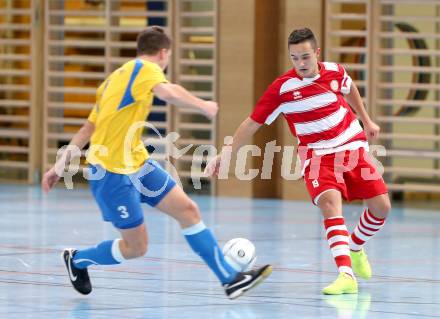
371, 129
50, 178
210, 109
213, 166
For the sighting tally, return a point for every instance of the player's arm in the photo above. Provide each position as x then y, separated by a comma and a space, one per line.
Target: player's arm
264, 108
241, 136
82, 137
79, 140
179, 96
354, 99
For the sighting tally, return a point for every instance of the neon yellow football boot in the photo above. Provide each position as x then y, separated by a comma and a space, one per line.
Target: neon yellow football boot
344, 284
360, 264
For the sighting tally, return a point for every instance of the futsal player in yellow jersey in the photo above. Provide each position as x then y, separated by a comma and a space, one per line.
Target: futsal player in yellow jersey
125, 177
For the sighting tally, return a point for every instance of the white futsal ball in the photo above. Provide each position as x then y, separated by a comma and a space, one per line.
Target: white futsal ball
240, 254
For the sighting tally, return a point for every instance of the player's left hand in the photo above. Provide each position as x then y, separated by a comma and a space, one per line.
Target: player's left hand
50, 178
371, 130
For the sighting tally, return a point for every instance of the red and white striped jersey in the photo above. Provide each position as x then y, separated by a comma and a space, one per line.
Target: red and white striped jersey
315, 109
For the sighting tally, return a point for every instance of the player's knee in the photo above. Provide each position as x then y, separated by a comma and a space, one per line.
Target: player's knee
328, 205
387, 207
381, 210
191, 212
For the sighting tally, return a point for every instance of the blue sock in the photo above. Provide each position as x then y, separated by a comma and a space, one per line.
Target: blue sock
106, 253
203, 243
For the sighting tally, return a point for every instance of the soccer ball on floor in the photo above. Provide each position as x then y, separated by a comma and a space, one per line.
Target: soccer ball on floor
240, 254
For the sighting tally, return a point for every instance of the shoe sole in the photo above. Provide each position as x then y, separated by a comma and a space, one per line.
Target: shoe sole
65, 263
360, 276
351, 292
64, 260
266, 273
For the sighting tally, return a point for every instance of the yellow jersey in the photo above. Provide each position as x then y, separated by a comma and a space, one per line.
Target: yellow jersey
123, 102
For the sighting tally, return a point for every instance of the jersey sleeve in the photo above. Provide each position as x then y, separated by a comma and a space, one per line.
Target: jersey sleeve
344, 80
265, 111
93, 114
149, 76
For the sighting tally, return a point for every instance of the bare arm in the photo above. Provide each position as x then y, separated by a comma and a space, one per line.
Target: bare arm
242, 135
82, 137
354, 99
79, 140
179, 96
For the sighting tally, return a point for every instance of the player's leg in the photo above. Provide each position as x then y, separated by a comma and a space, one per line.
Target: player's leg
330, 203
173, 201
120, 204
134, 242
327, 194
109, 252
365, 183
179, 206
371, 221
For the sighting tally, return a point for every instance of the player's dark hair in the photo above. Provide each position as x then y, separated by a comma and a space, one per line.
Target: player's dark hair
302, 35
152, 40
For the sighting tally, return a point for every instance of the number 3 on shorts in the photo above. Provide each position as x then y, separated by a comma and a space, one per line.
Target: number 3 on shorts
123, 211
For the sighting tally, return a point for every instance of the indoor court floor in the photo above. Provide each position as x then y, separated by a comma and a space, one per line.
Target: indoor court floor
172, 282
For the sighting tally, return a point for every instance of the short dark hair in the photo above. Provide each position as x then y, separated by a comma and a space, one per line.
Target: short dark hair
302, 35
152, 40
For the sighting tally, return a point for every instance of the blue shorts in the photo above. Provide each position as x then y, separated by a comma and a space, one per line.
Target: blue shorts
120, 196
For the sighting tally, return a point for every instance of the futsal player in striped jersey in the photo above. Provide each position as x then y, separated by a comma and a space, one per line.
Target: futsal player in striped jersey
124, 176
316, 99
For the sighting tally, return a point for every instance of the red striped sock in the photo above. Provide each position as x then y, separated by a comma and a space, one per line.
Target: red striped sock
337, 237
366, 228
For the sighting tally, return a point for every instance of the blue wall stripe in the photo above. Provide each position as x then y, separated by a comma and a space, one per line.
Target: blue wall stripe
128, 99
